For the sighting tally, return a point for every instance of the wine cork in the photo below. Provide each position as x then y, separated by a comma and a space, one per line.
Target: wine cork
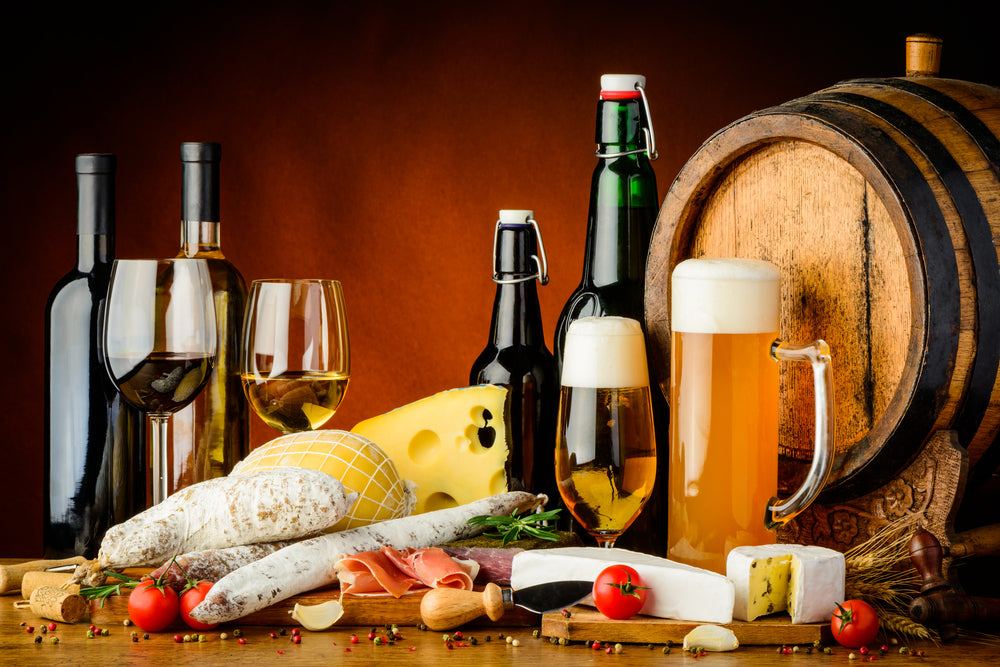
33, 580
57, 604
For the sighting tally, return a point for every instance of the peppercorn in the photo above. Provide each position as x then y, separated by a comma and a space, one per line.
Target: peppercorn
145, 635
666, 650
223, 636
238, 633
241, 640
54, 640
296, 639
105, 632
38, 639
90, 634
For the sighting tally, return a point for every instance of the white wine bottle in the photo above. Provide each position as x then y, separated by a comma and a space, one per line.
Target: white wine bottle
208, 437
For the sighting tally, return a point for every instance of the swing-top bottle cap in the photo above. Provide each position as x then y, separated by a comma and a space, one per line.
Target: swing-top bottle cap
621, 84
516, 216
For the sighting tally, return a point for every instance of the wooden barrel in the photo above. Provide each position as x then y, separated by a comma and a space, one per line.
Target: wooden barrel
879, 200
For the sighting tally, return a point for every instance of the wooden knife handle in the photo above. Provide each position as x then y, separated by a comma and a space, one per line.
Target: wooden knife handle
11, 575
447, 608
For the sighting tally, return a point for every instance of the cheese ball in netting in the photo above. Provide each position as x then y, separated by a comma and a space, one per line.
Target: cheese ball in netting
353, 459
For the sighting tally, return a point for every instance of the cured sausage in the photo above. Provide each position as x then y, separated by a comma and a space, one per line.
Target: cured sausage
211, 564
266, 506
309, 564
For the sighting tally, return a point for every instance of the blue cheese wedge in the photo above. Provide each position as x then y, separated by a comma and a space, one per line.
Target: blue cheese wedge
805, 581
675, 590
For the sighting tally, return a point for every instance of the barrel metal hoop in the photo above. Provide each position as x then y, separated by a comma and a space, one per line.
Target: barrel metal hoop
977, 130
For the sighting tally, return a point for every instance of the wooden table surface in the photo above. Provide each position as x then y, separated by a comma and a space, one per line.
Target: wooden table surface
416, 648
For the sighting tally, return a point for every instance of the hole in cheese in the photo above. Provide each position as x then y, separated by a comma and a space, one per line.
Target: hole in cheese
439, 501
425, 448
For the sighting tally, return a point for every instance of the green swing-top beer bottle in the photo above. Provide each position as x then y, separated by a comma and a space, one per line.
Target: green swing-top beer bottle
623, 210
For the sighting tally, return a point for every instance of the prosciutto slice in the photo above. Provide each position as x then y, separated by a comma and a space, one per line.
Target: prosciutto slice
399, 571
373, 572
434, 567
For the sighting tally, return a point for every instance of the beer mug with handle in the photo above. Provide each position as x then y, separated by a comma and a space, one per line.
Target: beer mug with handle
723, 474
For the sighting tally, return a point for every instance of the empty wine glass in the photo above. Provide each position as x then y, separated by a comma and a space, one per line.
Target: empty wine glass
605, 447
296, 358
160, 343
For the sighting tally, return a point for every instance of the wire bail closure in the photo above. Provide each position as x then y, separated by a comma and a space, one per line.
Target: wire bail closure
542, 264
647, 132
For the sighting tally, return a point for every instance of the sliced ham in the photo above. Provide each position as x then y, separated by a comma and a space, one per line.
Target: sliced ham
399, 571
373, 572
434, 567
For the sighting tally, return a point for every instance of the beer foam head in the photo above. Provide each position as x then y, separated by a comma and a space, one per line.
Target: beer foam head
603, 353
725, 296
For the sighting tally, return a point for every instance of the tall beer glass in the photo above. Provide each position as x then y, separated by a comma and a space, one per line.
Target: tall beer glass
724, 411
605, 445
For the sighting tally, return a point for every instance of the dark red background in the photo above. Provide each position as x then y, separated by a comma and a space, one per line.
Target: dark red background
374, 143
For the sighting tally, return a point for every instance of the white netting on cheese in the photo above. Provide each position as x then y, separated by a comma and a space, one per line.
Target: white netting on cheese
360, 464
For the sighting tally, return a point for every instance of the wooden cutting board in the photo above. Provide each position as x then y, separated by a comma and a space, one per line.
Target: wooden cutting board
363, 610
586, 623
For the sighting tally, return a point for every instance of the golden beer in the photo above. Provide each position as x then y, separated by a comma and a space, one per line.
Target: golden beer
723, 409
603, 478
605, 455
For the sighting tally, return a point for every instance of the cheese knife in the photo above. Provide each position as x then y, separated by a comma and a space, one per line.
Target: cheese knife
447, 608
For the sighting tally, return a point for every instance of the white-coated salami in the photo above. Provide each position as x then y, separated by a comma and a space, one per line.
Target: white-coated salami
211, 564
266, 506
309, 564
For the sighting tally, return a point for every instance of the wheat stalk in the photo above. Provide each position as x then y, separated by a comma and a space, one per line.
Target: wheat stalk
878, 571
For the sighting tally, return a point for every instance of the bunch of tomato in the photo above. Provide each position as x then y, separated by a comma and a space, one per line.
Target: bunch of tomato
153, 606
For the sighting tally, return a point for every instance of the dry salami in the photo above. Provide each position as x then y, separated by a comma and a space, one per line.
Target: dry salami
309, 564
212, 564
267, 506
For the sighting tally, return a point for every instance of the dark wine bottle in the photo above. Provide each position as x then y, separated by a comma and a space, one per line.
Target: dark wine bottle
623, 209
93, 446
208, 437
516, 355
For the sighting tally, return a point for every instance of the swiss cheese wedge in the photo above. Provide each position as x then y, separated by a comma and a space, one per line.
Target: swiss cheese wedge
452, 445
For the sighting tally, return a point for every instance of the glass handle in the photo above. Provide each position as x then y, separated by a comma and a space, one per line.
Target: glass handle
779, 512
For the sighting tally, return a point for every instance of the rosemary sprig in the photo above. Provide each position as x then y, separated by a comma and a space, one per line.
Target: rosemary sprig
102, 593
512, 527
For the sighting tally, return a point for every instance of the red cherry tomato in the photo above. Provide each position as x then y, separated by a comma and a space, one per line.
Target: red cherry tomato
152, 608
190, 599
619, 592
854, 624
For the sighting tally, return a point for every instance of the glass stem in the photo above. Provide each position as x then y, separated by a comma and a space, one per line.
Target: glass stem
158, 454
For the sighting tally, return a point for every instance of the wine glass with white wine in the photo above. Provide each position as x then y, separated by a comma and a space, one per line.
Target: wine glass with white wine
160, 343
296, 357
605, 444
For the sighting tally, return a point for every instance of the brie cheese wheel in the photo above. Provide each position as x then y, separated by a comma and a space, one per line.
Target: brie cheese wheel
805, 581
675, 590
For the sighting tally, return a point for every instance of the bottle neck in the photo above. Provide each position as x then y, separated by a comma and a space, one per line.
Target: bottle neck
95, 226
517, 318
200, 238
200, 228
623, 200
